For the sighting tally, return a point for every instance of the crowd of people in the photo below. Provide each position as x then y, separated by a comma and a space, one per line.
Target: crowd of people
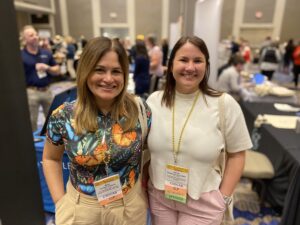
271, 57
148, 60
196, 135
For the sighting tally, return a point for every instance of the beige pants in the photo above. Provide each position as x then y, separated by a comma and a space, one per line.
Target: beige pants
75, 208
35, 99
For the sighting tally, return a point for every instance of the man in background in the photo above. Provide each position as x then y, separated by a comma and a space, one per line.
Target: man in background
39, 65
156, 57
230, 78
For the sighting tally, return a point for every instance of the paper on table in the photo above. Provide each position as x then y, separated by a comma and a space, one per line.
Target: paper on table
286, 107
279, 121
281, 91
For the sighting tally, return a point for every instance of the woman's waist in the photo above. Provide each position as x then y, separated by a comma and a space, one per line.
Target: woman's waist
197, 184
85, 184
92, 199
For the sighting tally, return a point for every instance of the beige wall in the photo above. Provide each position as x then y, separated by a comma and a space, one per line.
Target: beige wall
174, 10
150, 20
188, 22
117, 6
80, 18
23, 18
57, 18
148, 15
267, 8
227, 18
291, 20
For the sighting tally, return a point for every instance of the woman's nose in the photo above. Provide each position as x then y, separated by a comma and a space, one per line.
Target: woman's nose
108, 76
190, 66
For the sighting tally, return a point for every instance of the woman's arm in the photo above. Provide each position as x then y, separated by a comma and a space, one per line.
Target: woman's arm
54, 70
52, 167
233, 171
155, 60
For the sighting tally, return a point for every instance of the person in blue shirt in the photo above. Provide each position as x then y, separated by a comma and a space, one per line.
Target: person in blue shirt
141, 75
39, 65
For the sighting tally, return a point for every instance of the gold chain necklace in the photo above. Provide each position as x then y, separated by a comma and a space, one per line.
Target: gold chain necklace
175, 151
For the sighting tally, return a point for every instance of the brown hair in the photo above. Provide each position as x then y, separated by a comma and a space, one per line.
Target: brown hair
86, 110
169, 91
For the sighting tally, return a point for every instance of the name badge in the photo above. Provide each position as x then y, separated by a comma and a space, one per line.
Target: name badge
176, 182
108, 189
41, 74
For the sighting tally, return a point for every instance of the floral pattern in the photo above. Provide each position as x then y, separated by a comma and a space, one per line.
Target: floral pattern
89, 152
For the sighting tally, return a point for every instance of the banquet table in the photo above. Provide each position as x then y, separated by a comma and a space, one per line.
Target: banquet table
282, 147
249, 95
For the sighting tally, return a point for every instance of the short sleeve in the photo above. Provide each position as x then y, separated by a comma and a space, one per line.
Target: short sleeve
52, 61
236, 131
149, 115
55, 126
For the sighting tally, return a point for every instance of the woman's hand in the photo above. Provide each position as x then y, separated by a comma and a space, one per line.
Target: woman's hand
233, 171
52, 168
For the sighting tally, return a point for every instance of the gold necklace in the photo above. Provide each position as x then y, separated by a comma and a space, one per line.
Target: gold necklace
176, 150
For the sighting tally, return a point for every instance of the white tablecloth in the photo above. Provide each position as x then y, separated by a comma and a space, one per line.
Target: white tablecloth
250, 96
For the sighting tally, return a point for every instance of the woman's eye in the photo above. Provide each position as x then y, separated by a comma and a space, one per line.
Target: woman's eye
116, 72
99, 70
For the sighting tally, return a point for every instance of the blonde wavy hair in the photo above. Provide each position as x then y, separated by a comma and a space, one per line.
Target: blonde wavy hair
86, 111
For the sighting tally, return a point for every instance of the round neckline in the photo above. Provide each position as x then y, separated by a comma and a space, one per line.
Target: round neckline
190, 96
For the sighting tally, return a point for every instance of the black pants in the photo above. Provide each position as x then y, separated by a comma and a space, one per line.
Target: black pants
296, 71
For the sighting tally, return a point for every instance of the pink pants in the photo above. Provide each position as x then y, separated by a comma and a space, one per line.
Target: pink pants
207, 210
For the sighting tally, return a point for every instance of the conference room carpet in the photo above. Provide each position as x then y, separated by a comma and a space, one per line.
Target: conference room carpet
248, 209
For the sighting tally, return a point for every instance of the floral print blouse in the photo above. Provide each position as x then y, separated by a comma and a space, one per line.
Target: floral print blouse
96, 155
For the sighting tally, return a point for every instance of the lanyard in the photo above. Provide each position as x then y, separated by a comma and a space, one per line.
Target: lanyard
107, 156
176, 150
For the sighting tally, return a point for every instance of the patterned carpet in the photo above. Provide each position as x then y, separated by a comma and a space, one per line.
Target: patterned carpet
247, 207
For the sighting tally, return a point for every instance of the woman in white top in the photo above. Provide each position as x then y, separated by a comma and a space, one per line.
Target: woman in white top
185, 141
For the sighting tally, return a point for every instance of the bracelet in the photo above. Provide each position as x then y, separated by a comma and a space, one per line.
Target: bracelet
227, 199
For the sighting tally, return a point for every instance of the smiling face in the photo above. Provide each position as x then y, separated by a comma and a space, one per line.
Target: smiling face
106, 81
189, 66
30, 37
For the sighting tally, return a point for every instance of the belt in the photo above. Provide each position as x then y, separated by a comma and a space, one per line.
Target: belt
38, 88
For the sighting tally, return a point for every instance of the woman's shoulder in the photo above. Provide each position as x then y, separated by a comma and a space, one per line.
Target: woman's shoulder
155, 97
227, 98
231, 106
64, 109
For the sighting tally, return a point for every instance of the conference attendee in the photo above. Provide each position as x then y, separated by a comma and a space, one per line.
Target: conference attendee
269, 60
296, 63
229, 80
141, 74
70, 55
186, 184
139, 39
156, 57
288, 55
246, 53
165, 50
39, 66
103, 137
